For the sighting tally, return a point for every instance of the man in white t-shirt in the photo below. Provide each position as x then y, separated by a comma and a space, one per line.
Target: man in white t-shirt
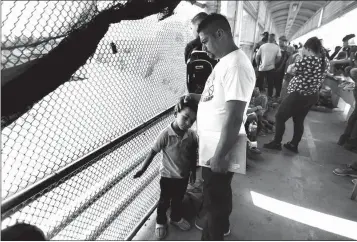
267, 56
221, 115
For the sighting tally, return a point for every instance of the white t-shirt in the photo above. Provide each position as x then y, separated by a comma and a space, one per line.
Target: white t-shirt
268, 52
233, 78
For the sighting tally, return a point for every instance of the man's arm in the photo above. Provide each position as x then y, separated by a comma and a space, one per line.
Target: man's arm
229, 134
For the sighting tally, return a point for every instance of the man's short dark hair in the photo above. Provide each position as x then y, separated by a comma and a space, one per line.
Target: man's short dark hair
217, 21
199, 17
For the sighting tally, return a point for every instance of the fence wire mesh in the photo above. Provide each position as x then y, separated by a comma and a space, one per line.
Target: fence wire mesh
137, 71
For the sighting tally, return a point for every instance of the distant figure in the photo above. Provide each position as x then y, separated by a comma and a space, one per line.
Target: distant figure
22, 232
267, 56
280, 66
264, 40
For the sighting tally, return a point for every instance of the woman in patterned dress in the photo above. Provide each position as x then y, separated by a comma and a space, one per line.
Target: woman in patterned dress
303, 90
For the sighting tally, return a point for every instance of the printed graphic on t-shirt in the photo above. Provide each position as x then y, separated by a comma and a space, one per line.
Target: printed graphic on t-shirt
207, 93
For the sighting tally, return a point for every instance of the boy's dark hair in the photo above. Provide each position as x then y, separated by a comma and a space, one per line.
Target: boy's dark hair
191, 104
218, 21
22, 231
199, 17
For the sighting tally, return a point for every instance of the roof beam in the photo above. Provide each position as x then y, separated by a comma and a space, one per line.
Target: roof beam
277, 5
294, 9
280, 12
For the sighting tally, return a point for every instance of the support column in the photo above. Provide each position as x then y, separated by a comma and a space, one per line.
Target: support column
256, 22
238, 22
228, 9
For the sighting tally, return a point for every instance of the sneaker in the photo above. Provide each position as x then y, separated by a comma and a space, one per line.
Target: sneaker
161, 231
342, 140
255, 150
199, 225
345, 172
273, 145
291, 147
183, 224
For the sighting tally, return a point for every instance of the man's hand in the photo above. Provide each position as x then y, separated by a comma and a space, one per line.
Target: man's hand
139, 173
218, 165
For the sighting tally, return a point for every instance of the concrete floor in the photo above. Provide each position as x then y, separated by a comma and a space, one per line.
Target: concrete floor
304, 180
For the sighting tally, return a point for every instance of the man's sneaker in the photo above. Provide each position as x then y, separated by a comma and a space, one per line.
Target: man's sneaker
345, 172
160, 231
182, 224
291, 147
255, 150
199, 225
342, 140
273, 145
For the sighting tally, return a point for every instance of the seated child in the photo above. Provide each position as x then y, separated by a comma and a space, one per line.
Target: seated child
257, 107
178, 144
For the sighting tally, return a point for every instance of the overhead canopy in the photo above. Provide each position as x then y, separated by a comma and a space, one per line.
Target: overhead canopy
290, 16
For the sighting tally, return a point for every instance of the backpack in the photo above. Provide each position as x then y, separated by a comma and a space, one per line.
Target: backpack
199, 68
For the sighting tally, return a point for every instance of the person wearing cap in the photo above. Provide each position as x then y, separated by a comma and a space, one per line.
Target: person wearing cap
267, 56
281, 65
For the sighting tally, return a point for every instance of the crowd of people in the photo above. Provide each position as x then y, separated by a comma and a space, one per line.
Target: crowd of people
237, 97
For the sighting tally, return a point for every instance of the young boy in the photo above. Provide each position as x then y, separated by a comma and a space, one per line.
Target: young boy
178, 144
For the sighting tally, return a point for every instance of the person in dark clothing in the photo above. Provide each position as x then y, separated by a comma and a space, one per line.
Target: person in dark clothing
303, 92
257, 46
280, 66
196, 43
326, 51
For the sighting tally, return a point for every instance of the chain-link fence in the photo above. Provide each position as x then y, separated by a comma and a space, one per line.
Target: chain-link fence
136, 72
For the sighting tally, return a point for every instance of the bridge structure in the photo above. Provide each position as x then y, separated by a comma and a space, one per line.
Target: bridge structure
83, 100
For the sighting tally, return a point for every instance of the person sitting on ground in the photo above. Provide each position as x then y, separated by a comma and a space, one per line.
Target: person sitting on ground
22, 232
178, 144
348, 170
258, 106
349, 137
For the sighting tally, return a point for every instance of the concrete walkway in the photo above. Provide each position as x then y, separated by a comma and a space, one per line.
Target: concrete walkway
304, 180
